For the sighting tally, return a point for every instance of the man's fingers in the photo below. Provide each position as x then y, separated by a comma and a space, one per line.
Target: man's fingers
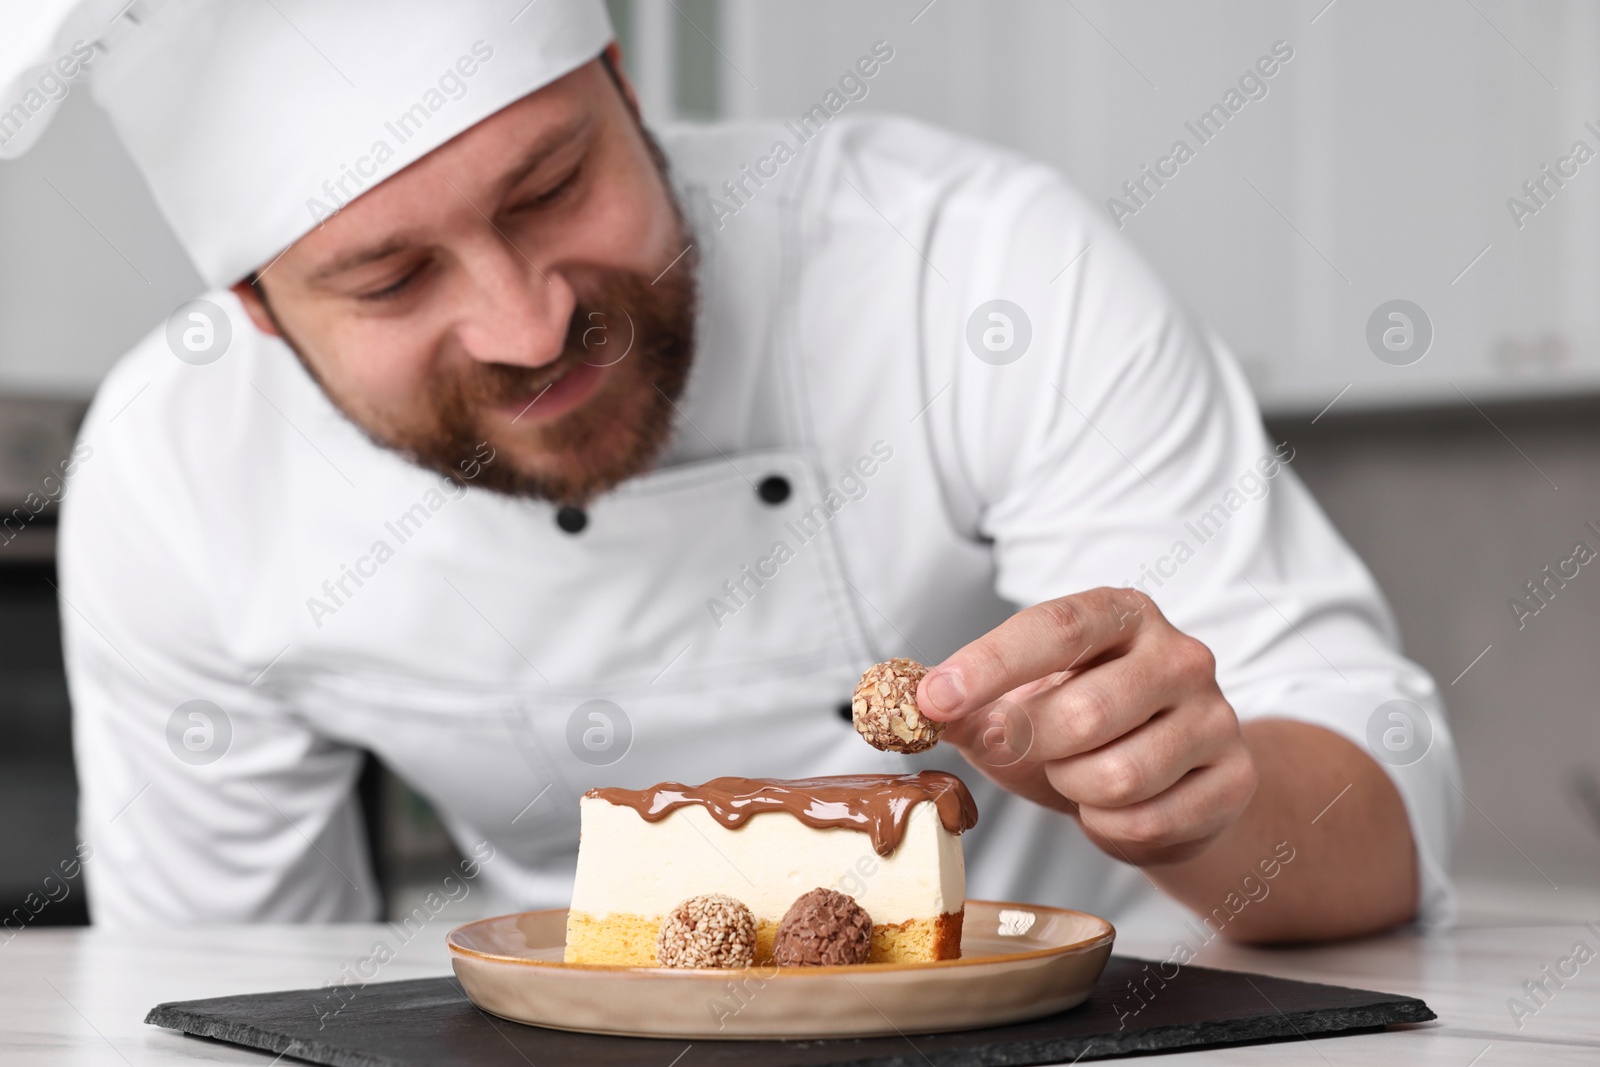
1047, 638
1094, 708
1146, 762
1178, 823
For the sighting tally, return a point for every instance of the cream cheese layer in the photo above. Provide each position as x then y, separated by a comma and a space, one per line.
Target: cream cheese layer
631, 866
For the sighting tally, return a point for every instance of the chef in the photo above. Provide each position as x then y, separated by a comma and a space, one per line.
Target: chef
532, 450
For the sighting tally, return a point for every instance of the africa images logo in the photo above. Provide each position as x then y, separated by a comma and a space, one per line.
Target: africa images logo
199, 332
199, 732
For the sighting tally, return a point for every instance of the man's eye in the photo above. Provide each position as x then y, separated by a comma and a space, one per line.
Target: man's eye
389, 292
552, 194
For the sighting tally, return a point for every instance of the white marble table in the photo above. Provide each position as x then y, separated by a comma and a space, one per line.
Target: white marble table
78, 996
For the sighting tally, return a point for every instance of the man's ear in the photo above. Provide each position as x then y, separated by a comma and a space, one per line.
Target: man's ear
253, 306
613, 54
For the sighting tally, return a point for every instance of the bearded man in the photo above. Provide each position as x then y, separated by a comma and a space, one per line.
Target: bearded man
503, 449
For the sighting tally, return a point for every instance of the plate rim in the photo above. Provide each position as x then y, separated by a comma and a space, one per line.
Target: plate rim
1106, 936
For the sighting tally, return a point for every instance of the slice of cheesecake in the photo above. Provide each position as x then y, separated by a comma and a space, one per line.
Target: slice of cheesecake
890, 841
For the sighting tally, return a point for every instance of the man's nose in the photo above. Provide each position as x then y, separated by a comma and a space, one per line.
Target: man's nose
514, 312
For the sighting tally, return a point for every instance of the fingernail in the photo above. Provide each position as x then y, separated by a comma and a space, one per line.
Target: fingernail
943, 691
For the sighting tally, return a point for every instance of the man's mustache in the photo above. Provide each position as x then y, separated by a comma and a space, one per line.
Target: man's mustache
493, 384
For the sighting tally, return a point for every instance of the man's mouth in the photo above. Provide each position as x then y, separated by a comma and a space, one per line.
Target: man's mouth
555, 398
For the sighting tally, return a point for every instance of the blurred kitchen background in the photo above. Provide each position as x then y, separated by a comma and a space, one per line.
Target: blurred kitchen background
1380, 164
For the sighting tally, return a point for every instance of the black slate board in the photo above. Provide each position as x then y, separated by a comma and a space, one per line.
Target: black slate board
429, 1021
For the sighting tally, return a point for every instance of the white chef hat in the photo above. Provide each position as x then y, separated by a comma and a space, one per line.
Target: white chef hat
253, 120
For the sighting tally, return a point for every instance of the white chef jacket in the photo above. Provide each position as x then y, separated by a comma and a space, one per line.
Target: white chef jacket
933, 493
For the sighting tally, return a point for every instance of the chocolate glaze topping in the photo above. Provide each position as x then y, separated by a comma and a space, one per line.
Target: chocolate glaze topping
874, 804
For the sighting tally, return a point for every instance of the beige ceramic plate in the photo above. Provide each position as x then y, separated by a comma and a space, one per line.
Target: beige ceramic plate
1018, 961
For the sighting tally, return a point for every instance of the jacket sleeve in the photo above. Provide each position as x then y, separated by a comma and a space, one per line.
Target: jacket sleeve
203, 797
1123, 447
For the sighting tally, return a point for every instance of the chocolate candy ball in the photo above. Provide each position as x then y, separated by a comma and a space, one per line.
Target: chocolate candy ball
824, 928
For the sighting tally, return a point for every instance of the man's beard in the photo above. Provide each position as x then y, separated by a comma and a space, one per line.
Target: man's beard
614, 434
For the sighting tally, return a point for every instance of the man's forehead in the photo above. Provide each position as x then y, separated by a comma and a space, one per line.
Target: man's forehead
471, 172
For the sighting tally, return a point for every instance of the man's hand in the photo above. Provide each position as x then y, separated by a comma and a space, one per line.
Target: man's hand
1094, 704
